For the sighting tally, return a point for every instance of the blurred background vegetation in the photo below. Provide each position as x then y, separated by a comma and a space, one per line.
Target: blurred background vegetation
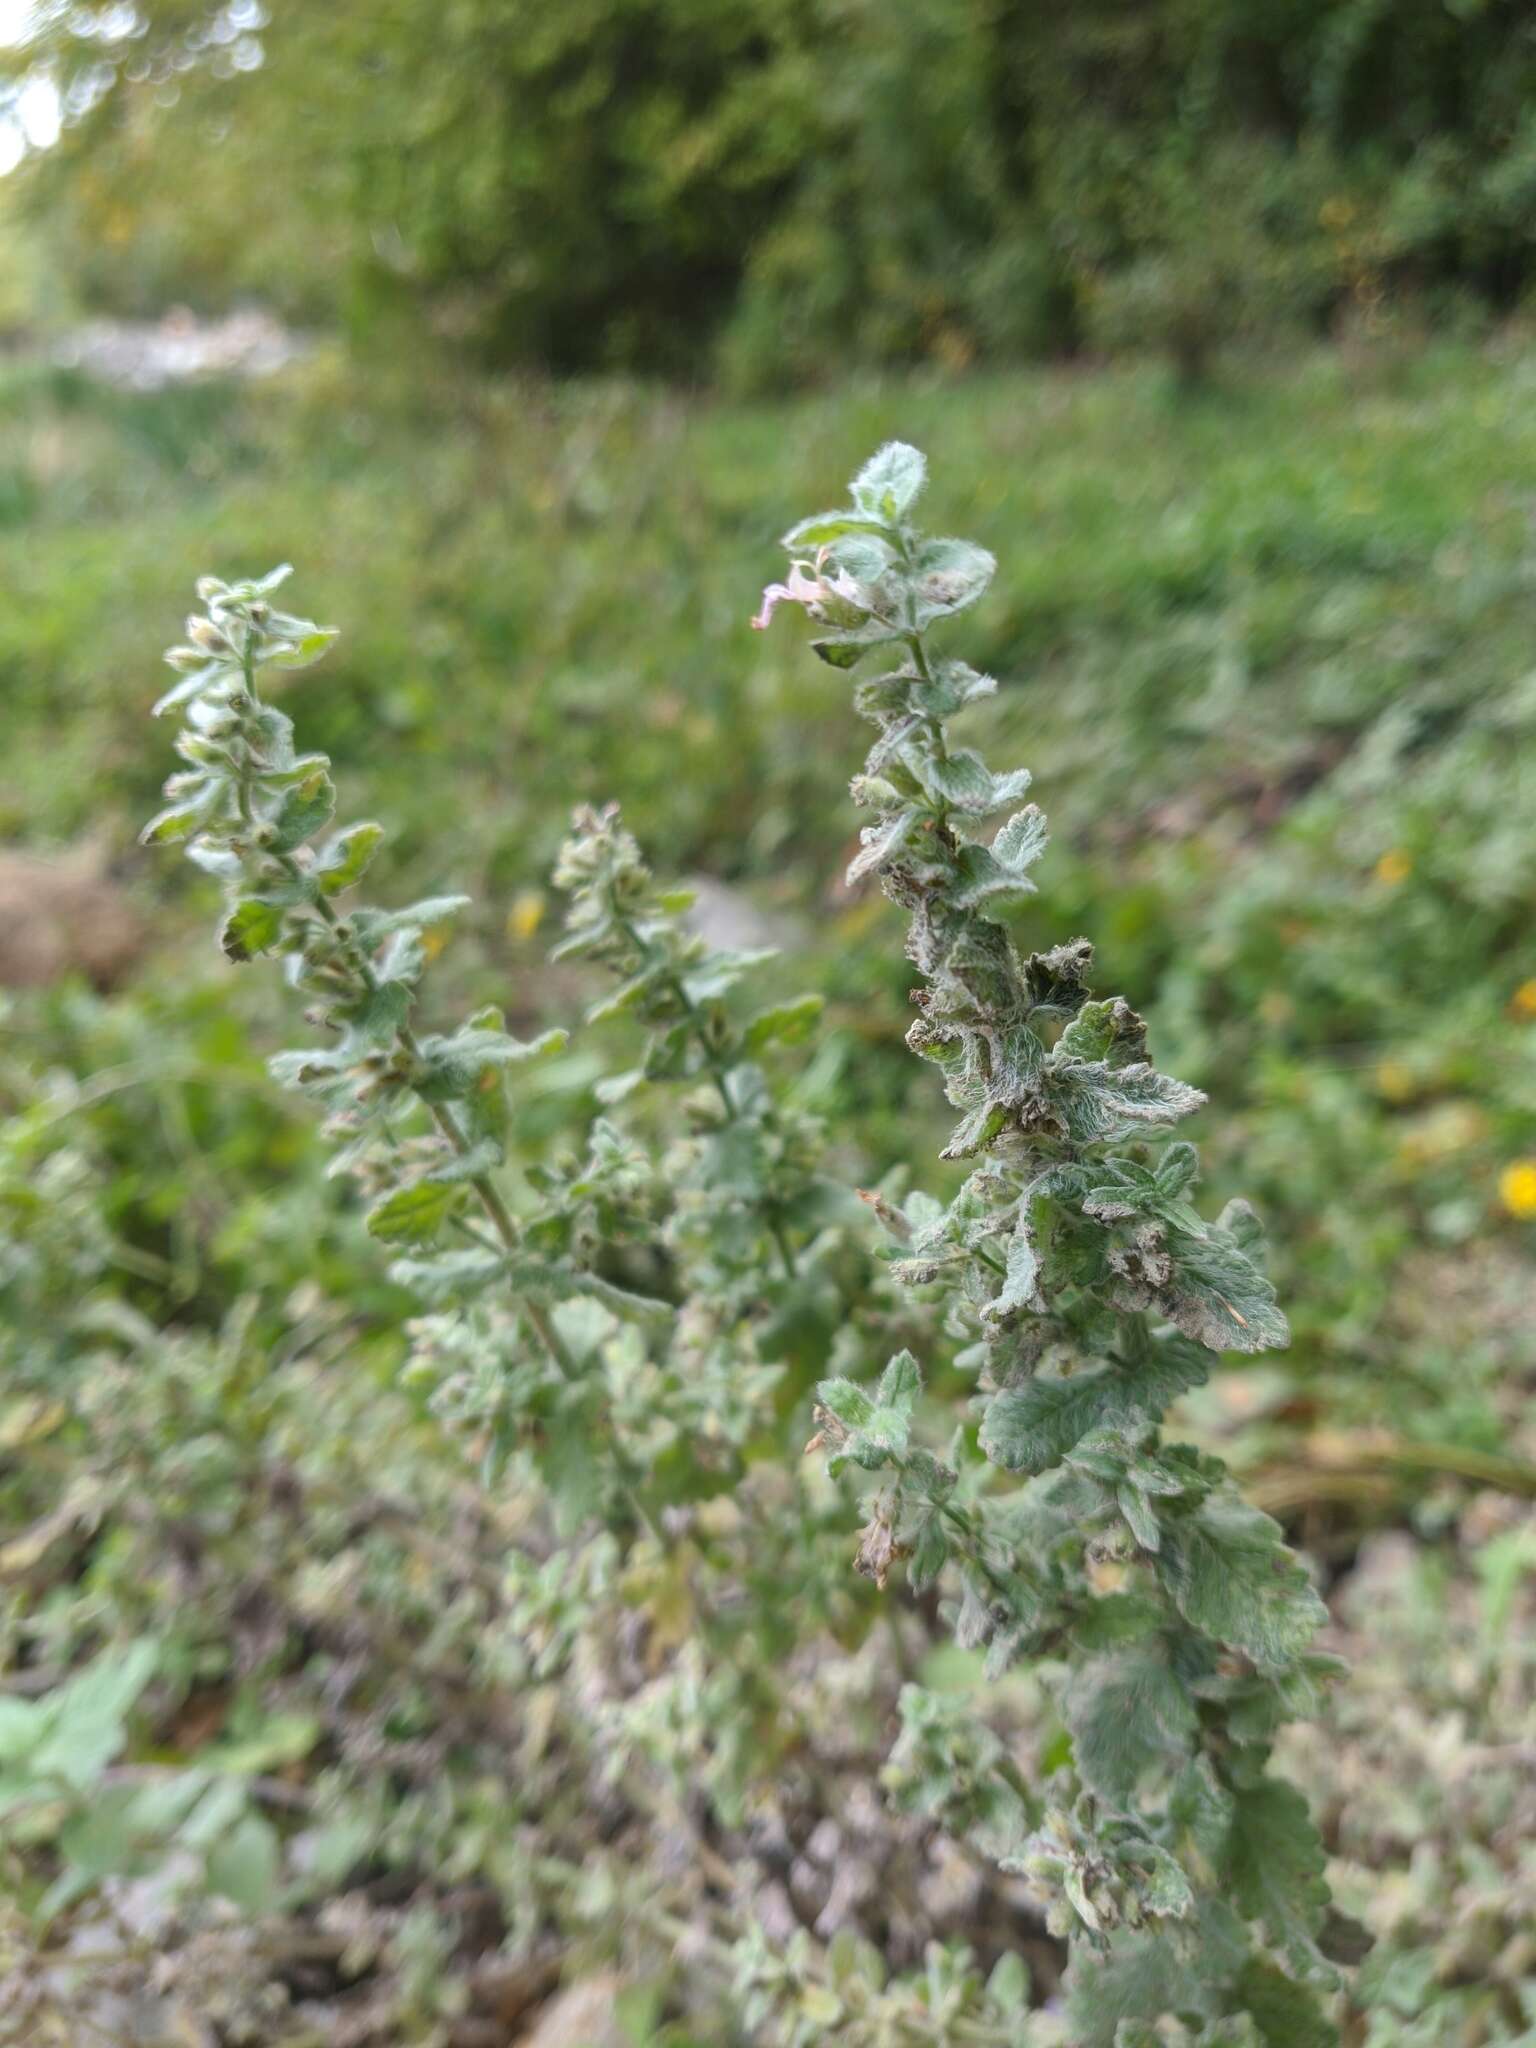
772, 194
1213, 316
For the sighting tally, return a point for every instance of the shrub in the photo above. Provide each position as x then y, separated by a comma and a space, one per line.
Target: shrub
621, 1337
616, 1341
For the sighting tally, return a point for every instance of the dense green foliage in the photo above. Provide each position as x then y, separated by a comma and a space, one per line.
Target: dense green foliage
1278, 695
667, 183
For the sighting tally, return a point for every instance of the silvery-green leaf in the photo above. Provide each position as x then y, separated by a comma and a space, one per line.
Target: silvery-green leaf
880, 842
1276, 1863
1228, 1569
344, 859
1127, 1712
950, 576
887, 487
305, 808
784, 1024
1032, 1426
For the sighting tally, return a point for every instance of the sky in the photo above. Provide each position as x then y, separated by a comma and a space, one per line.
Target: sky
33, 116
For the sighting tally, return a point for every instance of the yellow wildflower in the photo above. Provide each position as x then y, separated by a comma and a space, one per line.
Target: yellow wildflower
526, 914
1394, 867
1517, 1189
1523, 1001
1395, 1080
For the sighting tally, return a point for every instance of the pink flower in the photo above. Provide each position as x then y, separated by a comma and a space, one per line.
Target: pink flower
837, 600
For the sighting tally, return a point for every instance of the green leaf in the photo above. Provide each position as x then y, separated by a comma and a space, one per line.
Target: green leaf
887, 487
215, 860
950, 686
1032, 1426
379, 1012
877, 1428
1008, 1985
1127, 1713
975, 1132
1177, 1171
1150, 1975
1020, 1291
305, 808
718, 972
900, 1383
1109, 1031
880, 842
996, 880
785, 1024
193, 685
1203, 1281
823, 528
251, 927
450, 1276
1275, 1863
1140, 1516
412, 1214
452, 1064
847, 1401
458, 1167
1287, 2014
546, 1280
1098, 1103
1057, 980
1230, 1574
302, 651
373, 925
843, 653
962, 781
1163, 1885
22, 1726
177, 821
103, 1840
345, 858
225, 1800
1135, 1977
245, 1866
86, 1715
950, 576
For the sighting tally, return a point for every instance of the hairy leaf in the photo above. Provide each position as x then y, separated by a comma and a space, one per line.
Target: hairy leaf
1032, 1426
887, 487
1228, 1568
251, 927
1275, 1862
1127, 1712
950, 576
1286, 2014
345, 858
